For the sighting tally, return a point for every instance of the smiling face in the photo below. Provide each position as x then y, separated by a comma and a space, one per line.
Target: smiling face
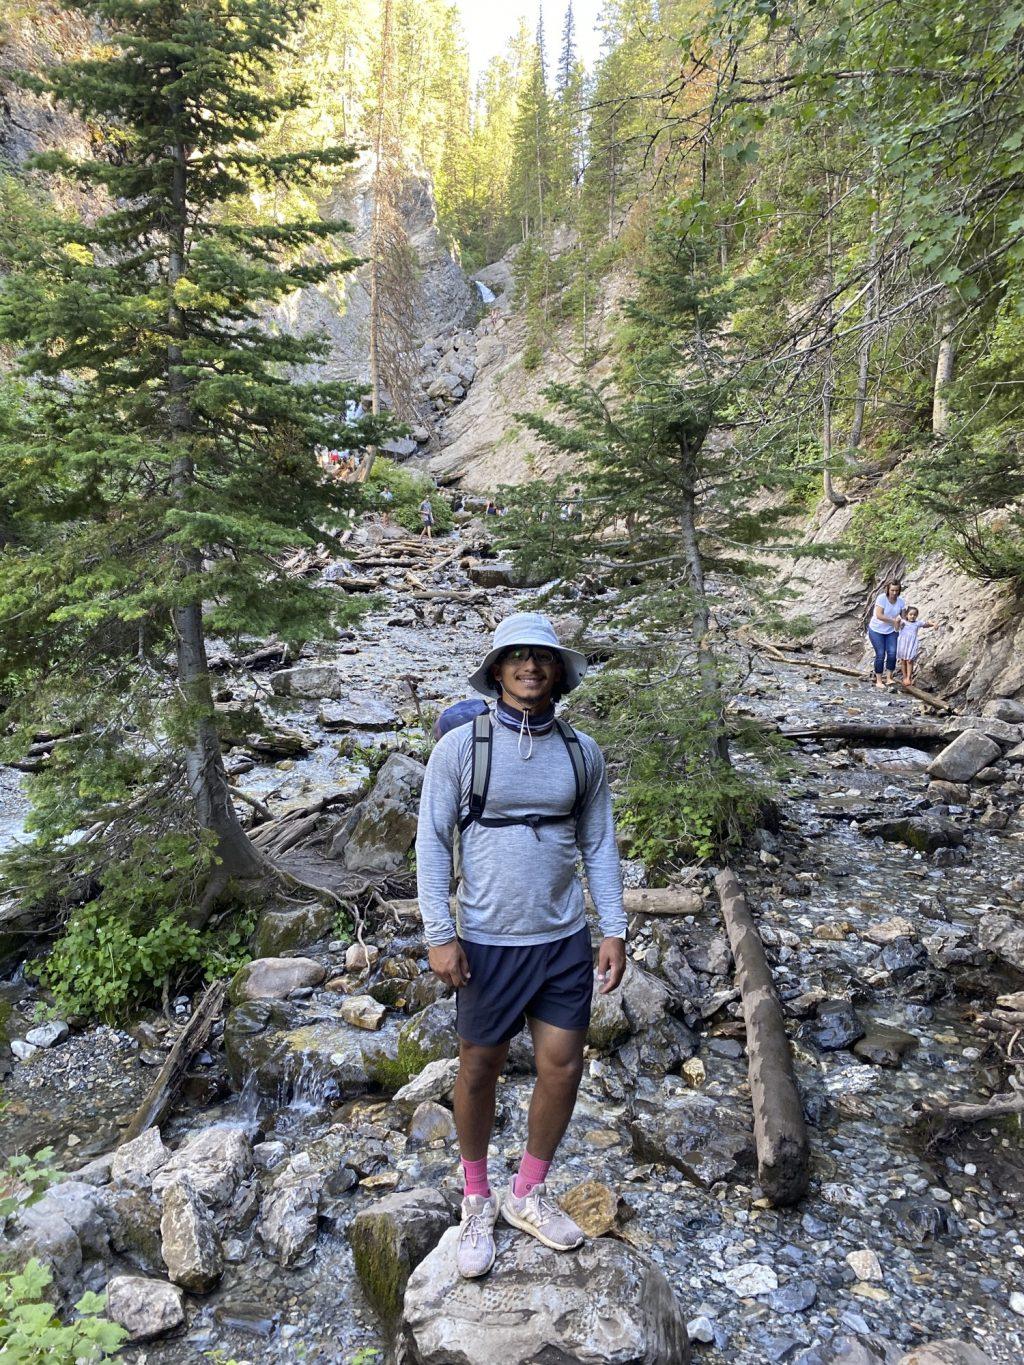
527, 675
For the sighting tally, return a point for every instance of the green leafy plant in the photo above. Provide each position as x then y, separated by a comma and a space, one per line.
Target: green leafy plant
890, 525
23, 1179
31, 1333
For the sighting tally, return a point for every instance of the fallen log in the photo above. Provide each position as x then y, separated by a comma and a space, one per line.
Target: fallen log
356, 584
160, 1096
662, 900
783, 1152
997, 1107
926, 732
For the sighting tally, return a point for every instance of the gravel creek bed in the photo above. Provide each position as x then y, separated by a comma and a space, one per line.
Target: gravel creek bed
943, 1218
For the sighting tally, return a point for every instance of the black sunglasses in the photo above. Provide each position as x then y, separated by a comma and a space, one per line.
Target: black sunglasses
518, 654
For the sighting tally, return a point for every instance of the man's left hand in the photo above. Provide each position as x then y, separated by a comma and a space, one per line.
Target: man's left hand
611, 963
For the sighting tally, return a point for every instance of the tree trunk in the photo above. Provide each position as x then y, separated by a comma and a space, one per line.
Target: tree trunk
204, 762
701, 623
944, 367
873, 301
376, 244
836, 499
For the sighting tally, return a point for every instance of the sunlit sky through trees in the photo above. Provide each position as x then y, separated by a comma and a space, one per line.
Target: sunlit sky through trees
488, 25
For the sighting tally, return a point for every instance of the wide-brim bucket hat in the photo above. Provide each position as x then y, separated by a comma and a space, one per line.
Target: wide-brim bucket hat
528, 628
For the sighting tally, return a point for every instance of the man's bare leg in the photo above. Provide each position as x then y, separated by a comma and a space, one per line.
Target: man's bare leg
475, 1091
559, 1055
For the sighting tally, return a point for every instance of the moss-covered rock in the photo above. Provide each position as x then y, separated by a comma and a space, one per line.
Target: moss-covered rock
389, 1241
285, 931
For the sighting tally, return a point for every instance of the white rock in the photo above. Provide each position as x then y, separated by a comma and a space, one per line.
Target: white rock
188, 1239
751, 1278
22, 1050
145, 1308
272, 978
865, 1264
49, 1034
604, 1302
363, 1011
214, 1159
435, 1082
1017, 1303
700, 1329
137, 1161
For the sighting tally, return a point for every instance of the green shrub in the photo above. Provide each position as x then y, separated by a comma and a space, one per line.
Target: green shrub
408, 488
675, 803
890, 525
118, 950
31, 1333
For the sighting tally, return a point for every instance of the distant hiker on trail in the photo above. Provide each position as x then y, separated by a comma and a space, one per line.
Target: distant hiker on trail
491, 510
427, 517
886, 619
386, 498
527, 793
907, 645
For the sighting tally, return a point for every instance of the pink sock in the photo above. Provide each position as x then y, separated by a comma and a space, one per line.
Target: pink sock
531, 1172
475, 1173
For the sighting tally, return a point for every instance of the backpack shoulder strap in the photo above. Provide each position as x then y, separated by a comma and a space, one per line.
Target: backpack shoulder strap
480, 771
574, 748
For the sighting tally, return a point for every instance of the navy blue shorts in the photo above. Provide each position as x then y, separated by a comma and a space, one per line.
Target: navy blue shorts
552, 982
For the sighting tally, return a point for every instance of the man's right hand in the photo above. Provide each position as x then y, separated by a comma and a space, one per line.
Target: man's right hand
449, 964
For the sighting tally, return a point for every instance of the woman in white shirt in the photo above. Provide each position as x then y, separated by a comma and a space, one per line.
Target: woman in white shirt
886, 619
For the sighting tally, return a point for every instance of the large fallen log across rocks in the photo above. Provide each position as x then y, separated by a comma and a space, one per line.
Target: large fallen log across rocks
780, 1134
161, 1093
925, 732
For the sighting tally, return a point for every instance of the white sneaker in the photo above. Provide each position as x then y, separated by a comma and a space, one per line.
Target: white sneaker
476, 1235
541, 1217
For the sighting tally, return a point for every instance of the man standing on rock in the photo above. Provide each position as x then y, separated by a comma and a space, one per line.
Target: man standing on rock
534, 796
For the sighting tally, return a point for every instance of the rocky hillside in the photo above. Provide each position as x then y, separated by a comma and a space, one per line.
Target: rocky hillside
977, 653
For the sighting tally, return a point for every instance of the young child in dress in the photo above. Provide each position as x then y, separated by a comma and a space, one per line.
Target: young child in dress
907, 645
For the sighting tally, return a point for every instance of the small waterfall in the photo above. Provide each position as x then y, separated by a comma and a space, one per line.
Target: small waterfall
486, 295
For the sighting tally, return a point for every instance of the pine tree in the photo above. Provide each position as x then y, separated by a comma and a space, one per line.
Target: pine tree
163, 458
531, 158
660, 505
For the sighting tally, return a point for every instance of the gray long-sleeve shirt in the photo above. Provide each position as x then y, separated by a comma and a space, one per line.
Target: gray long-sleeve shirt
519, 885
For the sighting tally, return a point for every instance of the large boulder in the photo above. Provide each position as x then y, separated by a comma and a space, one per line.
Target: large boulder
926, 833
359, 711
606, 1302
136, 1162
378, 833
145, 1308
189, 1241
67, 1230
285, 930
1004, 936
696, 1134
287, 1055
273, 978
435, 1082
291, 1207
638, 1002
965, 757
390, 1239
321, 682
213, 1160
